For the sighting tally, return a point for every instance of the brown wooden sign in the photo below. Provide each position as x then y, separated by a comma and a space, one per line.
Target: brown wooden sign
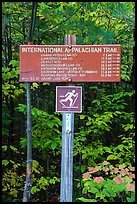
64, 63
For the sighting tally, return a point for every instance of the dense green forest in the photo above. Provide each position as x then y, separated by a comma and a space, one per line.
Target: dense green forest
104, 133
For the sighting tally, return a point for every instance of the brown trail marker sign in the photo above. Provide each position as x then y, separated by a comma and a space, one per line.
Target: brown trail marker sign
64, 63
69, 99
69, 63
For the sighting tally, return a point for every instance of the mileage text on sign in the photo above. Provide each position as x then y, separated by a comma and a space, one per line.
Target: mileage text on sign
76, 63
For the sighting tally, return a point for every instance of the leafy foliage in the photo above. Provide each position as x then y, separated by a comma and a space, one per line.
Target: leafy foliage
46, 133
115, 185
105, 130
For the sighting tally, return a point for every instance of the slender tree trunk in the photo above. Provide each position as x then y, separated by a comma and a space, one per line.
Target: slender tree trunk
47, 166
10, 100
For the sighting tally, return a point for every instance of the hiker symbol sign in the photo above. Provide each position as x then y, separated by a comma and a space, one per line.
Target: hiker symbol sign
68, 99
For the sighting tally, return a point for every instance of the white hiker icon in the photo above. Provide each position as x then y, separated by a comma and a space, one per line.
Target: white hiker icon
71, 97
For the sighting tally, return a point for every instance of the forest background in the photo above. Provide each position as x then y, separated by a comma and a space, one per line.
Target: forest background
105, 130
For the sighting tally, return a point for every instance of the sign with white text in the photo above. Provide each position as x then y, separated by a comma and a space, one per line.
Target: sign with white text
69, 99
65, 63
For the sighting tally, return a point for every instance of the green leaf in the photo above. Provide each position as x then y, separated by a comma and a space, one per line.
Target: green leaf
6, 92
86, 199
117, 112
13, 148
5, 131
15, 166
43, 181
17, 92
35, 163
5, 162
23, 142
82, 117
4, 147
5, 76
106, 193
51, 124
96, 101
53, 145
21, 108
47, 144
93, 190
15, 63
111, 157
13, 73
12, 161
35, 85
85, 190
52, 181
83, 168
5, 188
107, 149
100, 195
14, 192
46, 83
88, 123
127, 179
130, 199
34, 189
119, 188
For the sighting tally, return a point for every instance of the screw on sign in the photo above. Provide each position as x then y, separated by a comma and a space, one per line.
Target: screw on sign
69, 99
